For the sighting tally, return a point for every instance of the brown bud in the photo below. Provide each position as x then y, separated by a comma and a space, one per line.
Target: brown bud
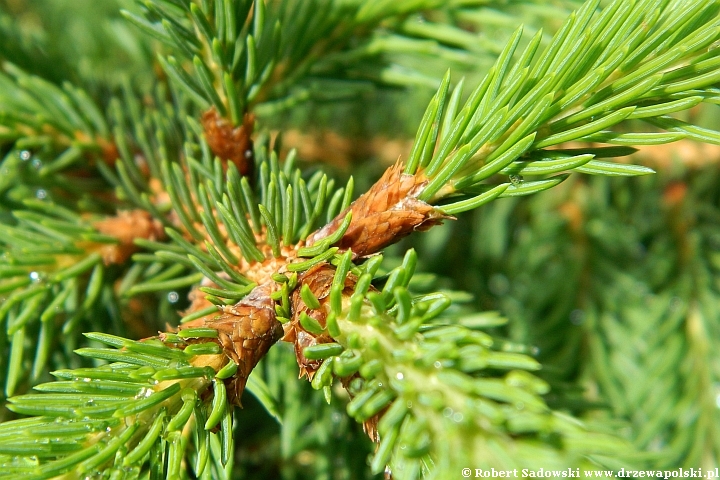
246, 331
319, 279
127, 226
230, 144
110, 152
387, 212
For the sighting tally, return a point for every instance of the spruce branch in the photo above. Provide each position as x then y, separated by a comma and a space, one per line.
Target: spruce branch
236, 58
292, 256
676, 311
551, 97
54, 273
139, 413
635, 279
63, 230
413, 377
521, 108
54, 134
36, 113
61, 251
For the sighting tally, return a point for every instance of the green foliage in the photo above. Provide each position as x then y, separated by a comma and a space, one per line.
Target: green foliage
441, 385
627, 304
661, 301
51, 284
453, 395
123, 418
599, 70
85, 42
245, 55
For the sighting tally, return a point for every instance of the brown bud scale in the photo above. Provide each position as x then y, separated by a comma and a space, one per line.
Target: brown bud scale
127, 226
246, 331
319, 279
232, 144
383, 215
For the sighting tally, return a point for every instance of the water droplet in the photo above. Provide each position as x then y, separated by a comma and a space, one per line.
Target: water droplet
25, 155
516, 180
90, 403
144, 392
36, 163
447, 412
34, 276
41, 194
173, 297
458, 417
437, 364
399, 376
408, 404
577, 317
520, 405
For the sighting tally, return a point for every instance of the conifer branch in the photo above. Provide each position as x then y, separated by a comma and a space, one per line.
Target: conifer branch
413, 377
268, 253
538, 102
140, 413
